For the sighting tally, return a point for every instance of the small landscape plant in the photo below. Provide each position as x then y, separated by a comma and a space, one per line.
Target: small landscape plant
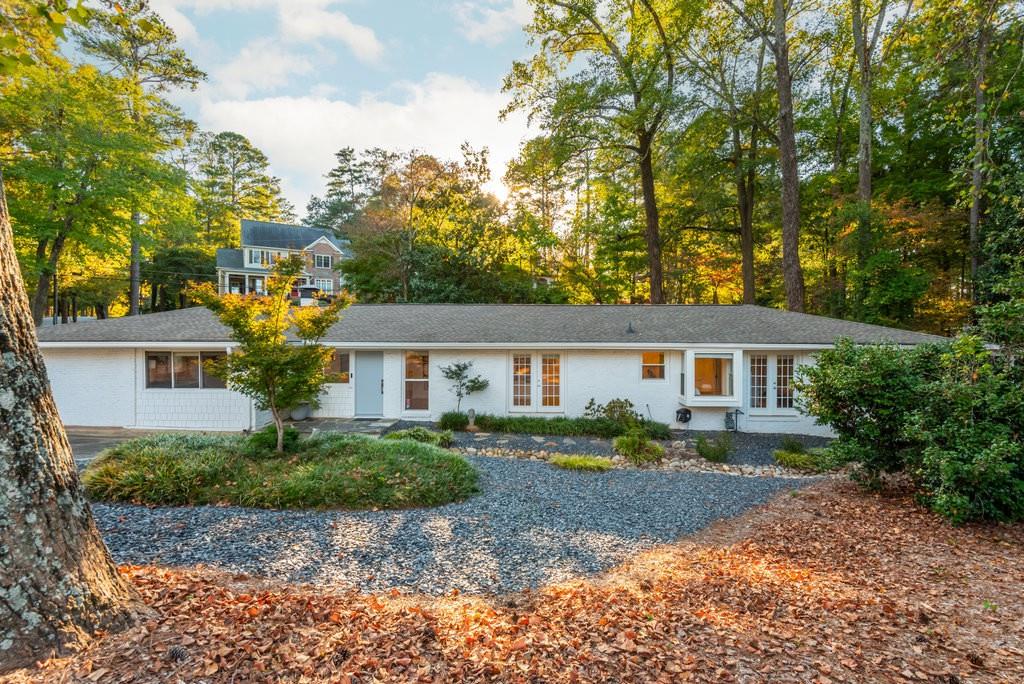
454, 421
637, 448
422, 434
581, 462
809, 460
463, 384
265, 440
792, 445
716, 450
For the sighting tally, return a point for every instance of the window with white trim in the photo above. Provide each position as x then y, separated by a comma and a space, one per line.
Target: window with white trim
652, 366
181, 370
551, 380
324, 284
337, 370
759, 381
417, 381
784, 381
322, 260
522, 379
712, 375
537, 383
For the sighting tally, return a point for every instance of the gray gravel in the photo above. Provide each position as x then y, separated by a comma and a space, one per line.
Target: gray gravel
751, 448
532, 524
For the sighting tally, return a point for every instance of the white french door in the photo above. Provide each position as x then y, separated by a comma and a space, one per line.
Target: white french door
770, 383
536, 382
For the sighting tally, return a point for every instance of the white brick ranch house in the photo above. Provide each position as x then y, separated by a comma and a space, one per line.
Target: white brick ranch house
720, 362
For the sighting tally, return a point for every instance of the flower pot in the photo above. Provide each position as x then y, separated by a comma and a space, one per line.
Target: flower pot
301, 412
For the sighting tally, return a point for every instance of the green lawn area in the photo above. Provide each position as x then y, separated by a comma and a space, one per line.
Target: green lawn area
326, 471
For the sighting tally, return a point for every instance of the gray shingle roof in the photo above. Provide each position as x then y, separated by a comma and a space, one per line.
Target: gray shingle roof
285, 235
230, 258
184, 325
561, 325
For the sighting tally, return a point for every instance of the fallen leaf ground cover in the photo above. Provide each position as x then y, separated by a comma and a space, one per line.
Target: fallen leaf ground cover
827, 584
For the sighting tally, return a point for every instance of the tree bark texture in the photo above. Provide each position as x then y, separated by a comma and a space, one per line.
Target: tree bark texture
792, 273
135, 267
58, 584
652, 232
980, 144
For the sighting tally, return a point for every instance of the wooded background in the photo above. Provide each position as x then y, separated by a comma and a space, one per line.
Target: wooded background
858, 158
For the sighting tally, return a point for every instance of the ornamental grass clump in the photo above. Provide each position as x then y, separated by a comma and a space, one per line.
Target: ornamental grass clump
595, 464
422, 434
716, 450
637, 448
325, 471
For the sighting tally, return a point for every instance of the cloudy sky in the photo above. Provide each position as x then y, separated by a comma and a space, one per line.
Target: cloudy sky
303, 78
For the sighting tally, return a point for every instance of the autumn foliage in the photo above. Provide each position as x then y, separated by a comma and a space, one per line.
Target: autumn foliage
827, 584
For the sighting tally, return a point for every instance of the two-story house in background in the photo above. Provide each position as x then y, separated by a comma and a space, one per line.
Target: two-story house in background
243, 270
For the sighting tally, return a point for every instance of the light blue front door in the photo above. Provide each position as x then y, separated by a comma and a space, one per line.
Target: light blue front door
369, 379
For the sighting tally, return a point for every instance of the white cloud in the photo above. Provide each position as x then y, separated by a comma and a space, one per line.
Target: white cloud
492, 21
301, 134
298, 20
303, 21
182, 26
260, 66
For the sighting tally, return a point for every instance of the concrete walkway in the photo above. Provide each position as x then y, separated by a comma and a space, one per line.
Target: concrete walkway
88, 442
363, 426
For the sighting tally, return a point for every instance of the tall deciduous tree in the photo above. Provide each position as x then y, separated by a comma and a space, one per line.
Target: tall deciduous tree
58, 584
132, 38
773, 28
76, 162
619, 97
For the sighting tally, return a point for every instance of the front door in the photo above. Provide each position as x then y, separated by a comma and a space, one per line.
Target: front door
369, 381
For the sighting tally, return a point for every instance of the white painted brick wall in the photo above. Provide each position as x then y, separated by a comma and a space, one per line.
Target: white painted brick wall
93, 387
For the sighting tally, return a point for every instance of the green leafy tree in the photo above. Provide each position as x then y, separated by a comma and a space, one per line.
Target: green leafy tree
130, 37
170, 271
605, 77
233, 182
75, 164
277, 372
463, 383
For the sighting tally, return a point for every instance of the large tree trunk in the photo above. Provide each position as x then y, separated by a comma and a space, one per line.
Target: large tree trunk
980, 145
792, 273
42, 293
135, 267
652, 232
745, 180
58, 584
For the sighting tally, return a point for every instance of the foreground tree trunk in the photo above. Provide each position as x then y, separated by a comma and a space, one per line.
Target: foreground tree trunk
792, 272
58, 584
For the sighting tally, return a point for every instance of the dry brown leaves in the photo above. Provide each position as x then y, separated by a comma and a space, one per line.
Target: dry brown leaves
827, 585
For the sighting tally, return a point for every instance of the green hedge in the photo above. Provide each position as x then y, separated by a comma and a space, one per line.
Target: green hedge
565, 427
326, 471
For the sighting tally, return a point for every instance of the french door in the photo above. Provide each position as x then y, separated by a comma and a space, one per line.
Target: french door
536, 382
770, 379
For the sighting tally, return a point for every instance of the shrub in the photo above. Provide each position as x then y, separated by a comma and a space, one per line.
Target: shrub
970, 421
454, 421
867, 395
637, 448
422, 434
656, 430
589, 463
792, 445
328, 471
716, 450
265, 440
813, 460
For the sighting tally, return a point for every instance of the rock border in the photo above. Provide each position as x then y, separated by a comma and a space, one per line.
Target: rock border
679, 457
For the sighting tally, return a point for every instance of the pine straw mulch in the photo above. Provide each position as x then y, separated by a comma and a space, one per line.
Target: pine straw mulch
823, 585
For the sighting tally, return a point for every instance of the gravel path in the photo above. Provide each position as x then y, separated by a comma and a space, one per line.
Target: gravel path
533, 524
751, 448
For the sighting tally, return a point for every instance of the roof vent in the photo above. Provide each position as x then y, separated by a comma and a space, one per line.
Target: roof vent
629, 329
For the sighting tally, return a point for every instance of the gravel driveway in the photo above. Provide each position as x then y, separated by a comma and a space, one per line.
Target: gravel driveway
532, 524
